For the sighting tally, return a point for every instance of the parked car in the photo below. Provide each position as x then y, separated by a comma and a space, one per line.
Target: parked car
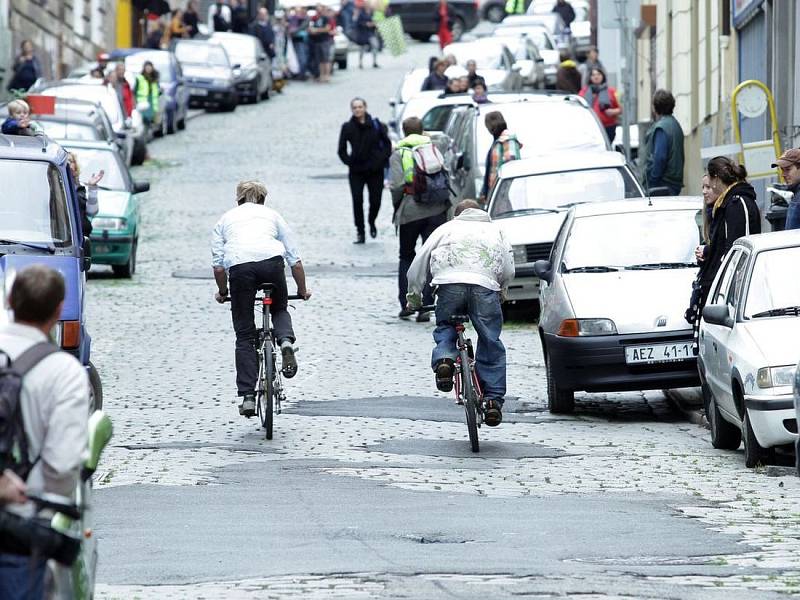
614, 296
433, 108
532, 197
543, 122
40, 224
493, 11
115, 228
97, 91
418, 17
496, 63
527, 56
580, 29
252, 67
208, 73
543, 41
748, 346
173, 87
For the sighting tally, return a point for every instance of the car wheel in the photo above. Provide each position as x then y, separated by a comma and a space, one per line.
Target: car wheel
754, 453
459, 27
420, 37
724, 435
139, 152
95, 389
559, 401
495, 13
129, 268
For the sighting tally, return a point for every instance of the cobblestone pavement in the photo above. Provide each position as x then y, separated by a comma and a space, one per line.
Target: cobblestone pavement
642, 506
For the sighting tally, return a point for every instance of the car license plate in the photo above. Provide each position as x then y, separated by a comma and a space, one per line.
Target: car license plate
101, 248
658, 353
199, 92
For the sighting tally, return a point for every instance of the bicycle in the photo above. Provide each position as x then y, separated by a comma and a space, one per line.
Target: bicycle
269, 385
466, 386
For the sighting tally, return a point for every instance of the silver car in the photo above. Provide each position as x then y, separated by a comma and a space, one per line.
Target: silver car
613, 296
252, 68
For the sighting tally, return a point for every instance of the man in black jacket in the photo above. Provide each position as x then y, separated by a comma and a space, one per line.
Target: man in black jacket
566, 11
369, 152
262, 29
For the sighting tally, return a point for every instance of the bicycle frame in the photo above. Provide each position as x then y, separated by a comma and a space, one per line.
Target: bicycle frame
465, 358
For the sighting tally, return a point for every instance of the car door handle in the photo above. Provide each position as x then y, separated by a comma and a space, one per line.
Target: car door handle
714, 344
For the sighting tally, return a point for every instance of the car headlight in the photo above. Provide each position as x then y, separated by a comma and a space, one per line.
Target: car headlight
520, 254
769, 377
221, 82
586, 327
113, 223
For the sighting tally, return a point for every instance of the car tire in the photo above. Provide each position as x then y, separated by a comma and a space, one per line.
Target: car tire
420, 37
459, 27
724, 435
495, 13
230, 106
559, 401
139, 152
754, 453
95, 389
129, 268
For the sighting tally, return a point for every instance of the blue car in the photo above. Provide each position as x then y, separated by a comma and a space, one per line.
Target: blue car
173, 88
40, 223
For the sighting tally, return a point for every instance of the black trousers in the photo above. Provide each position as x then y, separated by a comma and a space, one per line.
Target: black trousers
409, 233
374, 183
243, 281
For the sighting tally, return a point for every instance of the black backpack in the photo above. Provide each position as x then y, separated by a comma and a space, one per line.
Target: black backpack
13, 440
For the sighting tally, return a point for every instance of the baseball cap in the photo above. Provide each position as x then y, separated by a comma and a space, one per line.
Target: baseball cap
788, 158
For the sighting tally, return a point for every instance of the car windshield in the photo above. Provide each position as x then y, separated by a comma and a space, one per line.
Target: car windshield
546, 127
33, 205
135, 62
770, 289
92, 161
93, 93
486, 56
412, 84
619, 240
241, 50
552, 191
201, 54
63, 130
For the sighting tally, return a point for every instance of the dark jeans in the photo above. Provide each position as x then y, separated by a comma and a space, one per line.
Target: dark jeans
611, 132
21, 578
320, 53
483, 307
374, 183
409, 232
301, 49
243, 282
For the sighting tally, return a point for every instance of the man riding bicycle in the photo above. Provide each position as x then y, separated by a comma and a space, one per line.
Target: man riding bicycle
471, 264
248, 247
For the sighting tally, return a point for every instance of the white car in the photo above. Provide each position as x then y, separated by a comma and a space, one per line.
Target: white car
749, 347
410, 86
532, 196
496, 63
426, 106
543, 40
614, 296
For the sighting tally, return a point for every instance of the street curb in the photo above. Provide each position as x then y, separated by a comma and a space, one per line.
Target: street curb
689, 402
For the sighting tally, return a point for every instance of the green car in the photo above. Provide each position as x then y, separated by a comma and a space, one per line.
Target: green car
115, 227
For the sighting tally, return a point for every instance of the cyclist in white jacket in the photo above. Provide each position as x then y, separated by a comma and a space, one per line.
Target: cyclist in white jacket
471, 265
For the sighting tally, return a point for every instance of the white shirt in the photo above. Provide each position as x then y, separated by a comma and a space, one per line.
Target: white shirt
469, 249
251, 233
225, 13
55, 411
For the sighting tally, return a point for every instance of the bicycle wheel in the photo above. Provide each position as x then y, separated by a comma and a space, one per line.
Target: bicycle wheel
269, 388
261, 396
470, 403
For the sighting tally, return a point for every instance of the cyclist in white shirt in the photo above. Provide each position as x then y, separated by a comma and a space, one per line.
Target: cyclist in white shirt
249, 246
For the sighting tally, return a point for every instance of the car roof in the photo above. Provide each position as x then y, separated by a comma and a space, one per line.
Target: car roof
67, 110
27, 147
483, 41
89, 145
633, 205
562, 161
770, 241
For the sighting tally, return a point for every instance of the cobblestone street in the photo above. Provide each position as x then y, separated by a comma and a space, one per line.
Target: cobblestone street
368, 489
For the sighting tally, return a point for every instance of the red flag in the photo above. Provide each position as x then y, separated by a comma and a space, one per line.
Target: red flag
41, 105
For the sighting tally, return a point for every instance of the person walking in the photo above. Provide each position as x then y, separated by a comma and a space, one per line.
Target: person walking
146, 91
319, 34
505, 148
603, 100
515, 7
250, 245
663, 145
191, 19
568, 78
789, 164
54, 400
436, 79
261, 28
592, 62
369, 150
565, 10
26, 69
364, 33
239, 16
219, 16
120, 85
415, 220
176, 29
471, 264
443, 17
298, 33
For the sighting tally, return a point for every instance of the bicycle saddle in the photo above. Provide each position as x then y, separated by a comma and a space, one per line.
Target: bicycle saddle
264, 287
459, 318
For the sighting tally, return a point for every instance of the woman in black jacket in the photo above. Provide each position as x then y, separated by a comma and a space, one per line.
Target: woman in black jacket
369, 152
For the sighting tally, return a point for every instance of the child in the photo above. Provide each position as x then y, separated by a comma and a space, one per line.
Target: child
19, 120
479, 92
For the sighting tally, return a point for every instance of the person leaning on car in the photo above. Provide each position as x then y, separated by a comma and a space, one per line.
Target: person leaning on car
55, 409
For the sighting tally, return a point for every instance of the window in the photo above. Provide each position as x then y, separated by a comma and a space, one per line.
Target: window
771, 285
93, 161
721, 293
436, 118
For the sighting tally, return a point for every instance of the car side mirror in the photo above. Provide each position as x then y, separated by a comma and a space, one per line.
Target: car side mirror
141, 186
718, 314
236, 66
660, 190
540, 60
543, 270
86, 254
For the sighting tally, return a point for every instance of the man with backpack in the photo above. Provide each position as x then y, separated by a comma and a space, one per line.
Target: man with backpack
369, 151
421, 198
44, 411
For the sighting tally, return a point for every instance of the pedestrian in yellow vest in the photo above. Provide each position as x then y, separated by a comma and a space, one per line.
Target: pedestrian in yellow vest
515, 7
147, 92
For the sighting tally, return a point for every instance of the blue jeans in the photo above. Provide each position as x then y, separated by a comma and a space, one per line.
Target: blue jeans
793, 215
21, 578
483, 307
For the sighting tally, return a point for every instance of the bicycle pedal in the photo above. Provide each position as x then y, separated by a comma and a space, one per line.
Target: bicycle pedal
459, 402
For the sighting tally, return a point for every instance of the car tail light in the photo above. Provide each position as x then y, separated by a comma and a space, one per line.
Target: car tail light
70, 334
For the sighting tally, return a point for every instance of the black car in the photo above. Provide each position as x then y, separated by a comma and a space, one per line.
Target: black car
419, 22
208, 73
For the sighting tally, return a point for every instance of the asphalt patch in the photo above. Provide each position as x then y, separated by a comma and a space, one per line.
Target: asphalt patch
458, 449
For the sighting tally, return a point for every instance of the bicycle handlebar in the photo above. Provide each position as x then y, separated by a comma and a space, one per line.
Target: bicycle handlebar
258, 299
